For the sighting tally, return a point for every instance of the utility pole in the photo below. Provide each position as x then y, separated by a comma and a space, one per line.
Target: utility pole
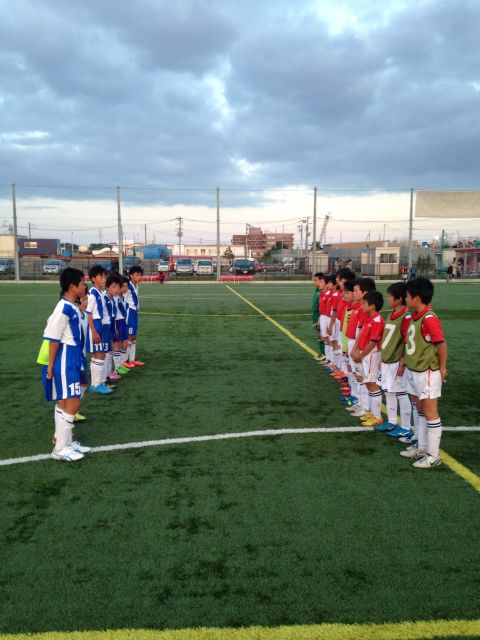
219, 257
15, 233
100, 235
314, 233
307, 233
179, 232
246, 240
300, 228
410, 233
145, 235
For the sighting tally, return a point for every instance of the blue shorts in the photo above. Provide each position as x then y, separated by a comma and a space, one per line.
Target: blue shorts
65, 382
132, 322
91, 346
84, 371
107, 338
121, 330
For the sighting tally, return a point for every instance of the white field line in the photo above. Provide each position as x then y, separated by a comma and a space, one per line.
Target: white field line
219, 436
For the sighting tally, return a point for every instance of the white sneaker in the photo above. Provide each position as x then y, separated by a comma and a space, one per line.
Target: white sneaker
67, 454
427, 462
76, 446
358, 412
412, 452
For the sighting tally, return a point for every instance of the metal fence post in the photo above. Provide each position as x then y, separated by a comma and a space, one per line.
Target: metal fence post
15, 233
120, 233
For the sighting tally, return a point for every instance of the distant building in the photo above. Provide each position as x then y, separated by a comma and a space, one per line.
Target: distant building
256, 243
38, 247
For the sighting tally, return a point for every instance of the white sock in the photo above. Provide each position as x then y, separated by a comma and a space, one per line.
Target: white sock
96, 370
391, 402
338, 359
422, 432
123, 356
117, 359
82, 391
107, 366
364, 399
64, 431
405, 409
58, 419
352, 381
415, 417
131, 351
375, 403
434, 435
68, 426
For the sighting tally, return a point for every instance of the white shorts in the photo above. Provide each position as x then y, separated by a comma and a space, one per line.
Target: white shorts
424, 384
337, 332
324, 322
370, 366
390, 381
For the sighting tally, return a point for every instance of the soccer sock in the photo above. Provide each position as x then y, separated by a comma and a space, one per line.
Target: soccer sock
364, 399
58, 419
96, 369
405, 409
82, 391
68, 426
375, 403
123, 356
422, 432
434, 435
391, 402
415, 417
321, 347
338, 359
107, 366
117, 359
131, 351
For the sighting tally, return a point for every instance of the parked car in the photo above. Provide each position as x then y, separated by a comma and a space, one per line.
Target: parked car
53, 267
242, 266
129, 262
163, 266
184, 266
204, 267
6, 266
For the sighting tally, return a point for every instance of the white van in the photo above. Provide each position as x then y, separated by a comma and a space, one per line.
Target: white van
204, 267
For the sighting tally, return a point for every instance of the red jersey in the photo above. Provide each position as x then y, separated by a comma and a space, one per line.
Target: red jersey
372, 331
324, 296
341, 308
334, 300
328, 305
431, 327
351, 332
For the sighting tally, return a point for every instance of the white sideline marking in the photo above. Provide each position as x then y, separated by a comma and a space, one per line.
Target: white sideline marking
219, 436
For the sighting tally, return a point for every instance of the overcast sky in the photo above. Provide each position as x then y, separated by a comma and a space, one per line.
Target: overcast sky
242, 94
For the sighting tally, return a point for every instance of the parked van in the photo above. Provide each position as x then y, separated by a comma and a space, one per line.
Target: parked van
204, 267
53, 267
184, 266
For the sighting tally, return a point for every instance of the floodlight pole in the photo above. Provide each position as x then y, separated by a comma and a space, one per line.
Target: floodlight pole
410, 233
15, 232
120, 232
219, 270
314, 233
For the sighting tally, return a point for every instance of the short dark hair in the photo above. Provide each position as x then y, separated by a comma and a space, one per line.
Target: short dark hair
398, 291
125, 280
346, 274
375, 298
421, 287
112, 278
135, 269
348, 286
96, 270
365, 284
70, 276
319, 275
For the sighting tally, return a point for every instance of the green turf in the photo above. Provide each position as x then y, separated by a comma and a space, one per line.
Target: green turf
265, 531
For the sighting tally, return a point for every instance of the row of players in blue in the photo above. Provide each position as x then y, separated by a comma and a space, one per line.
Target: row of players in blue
102, 321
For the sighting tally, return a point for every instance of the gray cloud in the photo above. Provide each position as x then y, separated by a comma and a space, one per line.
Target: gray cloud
195, 94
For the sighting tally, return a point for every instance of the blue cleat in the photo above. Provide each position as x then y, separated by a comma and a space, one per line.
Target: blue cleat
386, 426
100, 389
400, 432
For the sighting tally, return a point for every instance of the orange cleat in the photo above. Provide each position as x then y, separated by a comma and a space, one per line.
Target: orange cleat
129, 365
137, 363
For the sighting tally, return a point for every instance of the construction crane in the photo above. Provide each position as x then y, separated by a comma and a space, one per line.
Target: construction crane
323, 233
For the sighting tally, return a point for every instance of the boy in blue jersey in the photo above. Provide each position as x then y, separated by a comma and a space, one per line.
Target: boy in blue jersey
82, 307
95, 343
131, 297
112, 289
120, 340
62, 376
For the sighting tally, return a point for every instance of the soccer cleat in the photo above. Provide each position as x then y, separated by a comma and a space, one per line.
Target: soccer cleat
411, 440
100, 389
320, 358
114, 376
350, 402
345, 392
368, 415
412, 452
427, 462
372, 422
121, 370
138, 363
128, 365
400, 432
386, 426
76, 446
110, 385
79, 418
67, 454
358, 412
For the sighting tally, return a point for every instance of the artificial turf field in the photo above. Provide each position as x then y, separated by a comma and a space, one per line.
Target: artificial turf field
304, 535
